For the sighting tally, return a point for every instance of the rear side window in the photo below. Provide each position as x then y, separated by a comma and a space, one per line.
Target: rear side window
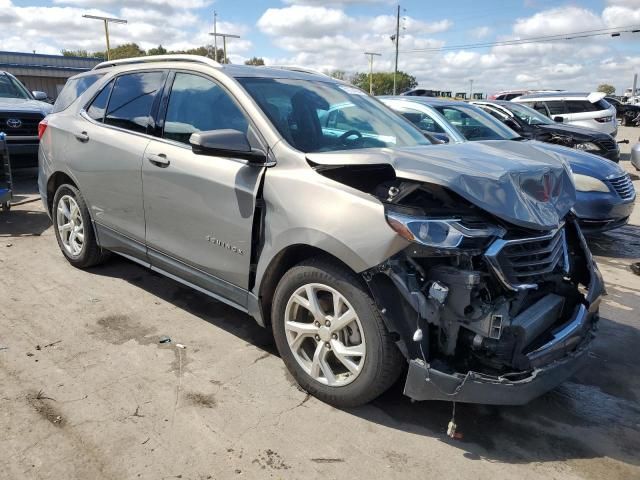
72, 90
131, 100
581, 106
99, 105
556, 107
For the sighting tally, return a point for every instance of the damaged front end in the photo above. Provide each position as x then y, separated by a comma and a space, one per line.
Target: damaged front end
484, 310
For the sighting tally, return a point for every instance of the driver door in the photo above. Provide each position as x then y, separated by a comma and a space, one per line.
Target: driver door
199, 208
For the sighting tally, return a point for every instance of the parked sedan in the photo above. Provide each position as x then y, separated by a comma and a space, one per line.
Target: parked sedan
604, 192
533, 125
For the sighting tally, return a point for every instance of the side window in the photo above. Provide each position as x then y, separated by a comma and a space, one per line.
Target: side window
132, 99
72, 90
421, 120
199, 104
581, 106
556, 107
99, 105
539, 107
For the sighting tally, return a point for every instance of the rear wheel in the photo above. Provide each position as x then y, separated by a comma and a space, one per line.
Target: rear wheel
73, 228
331, 336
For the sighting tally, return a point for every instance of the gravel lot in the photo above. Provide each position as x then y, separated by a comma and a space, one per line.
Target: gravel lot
87, 392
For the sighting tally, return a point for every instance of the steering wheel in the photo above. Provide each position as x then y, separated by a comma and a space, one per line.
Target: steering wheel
350, 133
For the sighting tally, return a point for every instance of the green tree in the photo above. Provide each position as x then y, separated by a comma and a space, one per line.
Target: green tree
606, 88
383, 82
203, 52
254, 61
338, 74
160, 50
127, 50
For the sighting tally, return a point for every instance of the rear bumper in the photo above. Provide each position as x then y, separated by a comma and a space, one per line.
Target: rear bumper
551, 364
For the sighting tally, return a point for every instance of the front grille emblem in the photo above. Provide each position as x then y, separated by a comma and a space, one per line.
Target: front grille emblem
14, 123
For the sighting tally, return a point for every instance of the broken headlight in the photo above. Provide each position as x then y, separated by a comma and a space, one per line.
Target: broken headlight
439, 232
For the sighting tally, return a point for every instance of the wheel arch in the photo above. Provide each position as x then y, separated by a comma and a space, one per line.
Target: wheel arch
283, 261
53, 183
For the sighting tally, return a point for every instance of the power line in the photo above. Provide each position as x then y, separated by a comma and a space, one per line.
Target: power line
523, 41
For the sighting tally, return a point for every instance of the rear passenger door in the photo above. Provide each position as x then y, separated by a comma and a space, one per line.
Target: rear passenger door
110, 138
199, 208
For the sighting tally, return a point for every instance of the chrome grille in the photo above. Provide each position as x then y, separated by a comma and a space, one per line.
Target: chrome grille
623, 186
606, 144
28, 123
523, 263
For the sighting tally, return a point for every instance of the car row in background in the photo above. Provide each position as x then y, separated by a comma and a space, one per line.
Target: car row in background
588, 110
625, 112
533, 125
605, 195
20, 114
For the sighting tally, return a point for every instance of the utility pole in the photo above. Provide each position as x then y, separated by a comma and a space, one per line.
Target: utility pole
471, 89
107, 21
397, 40
215, 35
224, 43
371, 55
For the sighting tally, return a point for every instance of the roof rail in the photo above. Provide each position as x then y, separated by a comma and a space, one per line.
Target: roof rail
295, 68
158, 58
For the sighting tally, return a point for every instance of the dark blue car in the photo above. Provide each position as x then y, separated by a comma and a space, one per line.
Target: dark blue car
605, 195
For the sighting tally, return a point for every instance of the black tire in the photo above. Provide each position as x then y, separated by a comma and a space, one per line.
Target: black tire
6, 206
91, 254
383, 362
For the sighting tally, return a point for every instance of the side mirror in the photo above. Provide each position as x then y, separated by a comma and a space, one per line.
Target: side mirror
225, 143
38, 95
558, 119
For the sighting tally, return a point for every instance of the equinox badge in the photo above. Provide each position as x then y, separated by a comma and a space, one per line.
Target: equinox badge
228, 246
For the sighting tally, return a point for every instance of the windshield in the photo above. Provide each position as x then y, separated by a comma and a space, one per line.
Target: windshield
528, 115
322, 117
474, 124
11, 88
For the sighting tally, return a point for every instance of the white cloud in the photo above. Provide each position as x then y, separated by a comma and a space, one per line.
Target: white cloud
481, 32
303, 21
51, 29
557, 21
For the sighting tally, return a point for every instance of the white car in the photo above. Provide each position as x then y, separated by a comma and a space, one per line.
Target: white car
588, 110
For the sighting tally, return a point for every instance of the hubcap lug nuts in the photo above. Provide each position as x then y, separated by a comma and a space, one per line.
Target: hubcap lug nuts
317, 337
328, 345
334, 336
327, 323
317, 324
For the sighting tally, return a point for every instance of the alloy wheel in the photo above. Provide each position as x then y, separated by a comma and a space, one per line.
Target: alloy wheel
70, 225
325, 335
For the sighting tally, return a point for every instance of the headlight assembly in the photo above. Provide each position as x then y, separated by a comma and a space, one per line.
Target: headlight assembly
445, 233
585, 183
587, 147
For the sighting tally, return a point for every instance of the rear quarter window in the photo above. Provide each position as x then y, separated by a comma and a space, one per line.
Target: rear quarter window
72, 90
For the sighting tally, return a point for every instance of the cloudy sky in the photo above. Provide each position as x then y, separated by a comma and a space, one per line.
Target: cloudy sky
333, 34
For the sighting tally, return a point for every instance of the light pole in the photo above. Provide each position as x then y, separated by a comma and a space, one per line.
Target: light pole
107, 21
371, 55
224, 43
471, 89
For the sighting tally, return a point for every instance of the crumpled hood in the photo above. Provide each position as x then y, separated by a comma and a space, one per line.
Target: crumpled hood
501, 177
580, 134
24, 105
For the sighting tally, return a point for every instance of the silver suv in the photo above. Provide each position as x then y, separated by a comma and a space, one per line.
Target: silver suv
366, 249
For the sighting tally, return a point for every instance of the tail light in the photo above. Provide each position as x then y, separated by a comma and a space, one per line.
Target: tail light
42, 127
603, 119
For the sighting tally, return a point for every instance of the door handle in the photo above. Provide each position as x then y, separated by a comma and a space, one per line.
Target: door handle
82, 137
159, 160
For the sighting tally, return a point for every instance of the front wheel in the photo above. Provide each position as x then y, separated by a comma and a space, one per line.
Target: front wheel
73, 228
331, 336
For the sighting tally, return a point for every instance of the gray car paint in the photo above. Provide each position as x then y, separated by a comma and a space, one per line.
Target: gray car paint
489, 175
